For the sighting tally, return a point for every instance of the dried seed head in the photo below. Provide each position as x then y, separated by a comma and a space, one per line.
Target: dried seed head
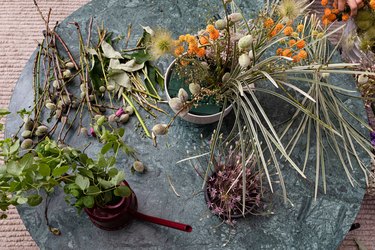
51, 106
67, 73
124, 118
194, 88
176, 104
235, 17
362, 79
83, 95
245, 42
26, 144
26, 134
183, 95
160, 129
69, 65
102, 89
138, 166
129, 110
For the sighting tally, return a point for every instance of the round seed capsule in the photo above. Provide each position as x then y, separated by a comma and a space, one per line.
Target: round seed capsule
138, 166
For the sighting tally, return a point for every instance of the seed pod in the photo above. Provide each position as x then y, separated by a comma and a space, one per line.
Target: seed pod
362, 79
102, 89
129, 110
226, 77
183, 95
194, 88
220, 24
26, 144
110, 88
123, 118
55, 84
51, 106
67, 73
83, 131
112, 118
101, 120
138, 166
175, 104
244, 60
160, 129
245, 42
41, 130
26, 134
69, 65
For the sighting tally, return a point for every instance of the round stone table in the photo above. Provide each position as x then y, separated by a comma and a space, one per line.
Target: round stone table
307, 224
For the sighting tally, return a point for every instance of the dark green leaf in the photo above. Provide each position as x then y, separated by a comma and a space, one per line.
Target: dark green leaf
4, 112
57, 172
88, 201
34, 200
93, 190
86, 172
122, 191
121, 132
44, 169
14, 186
26, 161
106, 148
140, 56
112, 172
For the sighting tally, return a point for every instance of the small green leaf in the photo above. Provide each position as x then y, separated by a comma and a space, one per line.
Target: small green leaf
21, 200
106, 148
57, 172
104, 183
14, 147
4, 112
122, 191
26, 161
82, 182
93, 190
112, 172
34, 200
120, 176
13, 168
44, 169
88, 201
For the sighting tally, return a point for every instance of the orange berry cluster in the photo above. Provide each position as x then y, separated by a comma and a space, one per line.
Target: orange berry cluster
332, 14
295, 48
196, 45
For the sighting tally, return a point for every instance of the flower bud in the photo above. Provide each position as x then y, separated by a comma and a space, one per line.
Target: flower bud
245, 42
110, 88
41, 130
183, 95
129, 110
26, 144
67, 73
362, 79
55, 84
112, 118
101, 120
26, 134
92, 132
124, 118
160, 129
119, 112
235, 17
220, 24
251, 54
138, 166
102, 89
29, 124
69, 65
175, 104
194, 88
51, 106
244, 60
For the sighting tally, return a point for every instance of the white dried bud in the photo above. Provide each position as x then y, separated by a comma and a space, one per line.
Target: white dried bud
176, 104
129, 110
235, 17
160, 129
55, 84
194, 88
69, 65
183, 95
138, 166
226, 77
244, 60
67, 73
325, 75
362, 79
220, 24
26, 144
26, 134
82, 87
251, 54
245, 42
124, 118
82, 95
102, 89
51, 106
110, 88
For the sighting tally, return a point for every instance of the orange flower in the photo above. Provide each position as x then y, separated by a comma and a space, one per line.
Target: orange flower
327, 11
268, 23
181, 38
193, 48
372, 5
210, 28
345, 17
331, 17
324, 2
287, 52
214, 35
292, 42
300, 27
203, 40
201, 52
273, 33
296, 58
326, 21
279, 27
179, 50
302, 54
189, 38
288, 31
279, 51
300, 44
335, 11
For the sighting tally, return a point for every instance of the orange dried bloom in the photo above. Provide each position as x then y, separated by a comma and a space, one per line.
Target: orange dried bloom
190, 39
302, 54
296, 58
193, 48
181, 38
279, 27
273, 33
292, 42
326, 21
345, 17
300, 27
179, 50
287, 52
331, 17
372, 4
214, 35
327, 11
279, 51
210, 28
268, 23
335, 11
203, 40
288, 31
201, 52
300, 44
324, 2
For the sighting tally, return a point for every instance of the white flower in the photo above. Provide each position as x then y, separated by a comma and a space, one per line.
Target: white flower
244, 60
245, 42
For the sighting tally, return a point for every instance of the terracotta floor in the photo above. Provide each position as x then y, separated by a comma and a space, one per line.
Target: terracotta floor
20, 28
